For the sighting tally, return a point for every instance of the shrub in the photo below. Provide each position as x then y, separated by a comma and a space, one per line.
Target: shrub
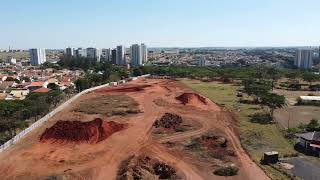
193, 144
226, 171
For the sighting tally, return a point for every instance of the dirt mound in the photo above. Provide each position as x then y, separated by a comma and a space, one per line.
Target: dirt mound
169, 121
144, 167
83, 132
192, 99
123, 89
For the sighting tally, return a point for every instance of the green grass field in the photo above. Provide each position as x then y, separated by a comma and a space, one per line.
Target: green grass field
256, 138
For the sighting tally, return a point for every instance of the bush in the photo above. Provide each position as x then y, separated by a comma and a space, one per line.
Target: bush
193, 144
226, 171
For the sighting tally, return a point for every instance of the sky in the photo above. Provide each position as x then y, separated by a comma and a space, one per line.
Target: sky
159, 23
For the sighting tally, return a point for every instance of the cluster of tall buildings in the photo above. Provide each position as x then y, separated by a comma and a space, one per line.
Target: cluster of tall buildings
92, 53
37, 56
202, 61
138, 54
303, 59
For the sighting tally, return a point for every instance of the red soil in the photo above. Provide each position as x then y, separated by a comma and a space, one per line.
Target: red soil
191, 98
123, 89
216, 145
75, 131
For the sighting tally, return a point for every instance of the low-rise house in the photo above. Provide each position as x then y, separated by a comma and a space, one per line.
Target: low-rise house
42, 90
3, 96
18, 94
310, 141
306, 99
65, 85
23, 85
6, 85
37, 85
3, 77
52, 81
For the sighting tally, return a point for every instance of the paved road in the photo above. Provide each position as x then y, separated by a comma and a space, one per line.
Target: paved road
305, 169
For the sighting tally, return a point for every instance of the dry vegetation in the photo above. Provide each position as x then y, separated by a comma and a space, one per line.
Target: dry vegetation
170, 123
109, 105
145, 168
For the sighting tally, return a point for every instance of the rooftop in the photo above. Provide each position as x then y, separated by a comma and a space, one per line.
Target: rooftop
37, 84
310, 98
42, 90
310, 136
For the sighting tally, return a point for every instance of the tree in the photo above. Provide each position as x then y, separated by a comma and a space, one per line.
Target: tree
309, 77
256, 89
10, 79
313, 125
54, 97
273, 74
137, 71
53, 86
273, 101
82, 84
292, 75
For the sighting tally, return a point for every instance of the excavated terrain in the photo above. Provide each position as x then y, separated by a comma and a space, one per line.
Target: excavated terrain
81, 132
191, 98
71, 147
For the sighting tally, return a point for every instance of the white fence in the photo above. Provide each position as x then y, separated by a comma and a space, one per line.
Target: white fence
23, 133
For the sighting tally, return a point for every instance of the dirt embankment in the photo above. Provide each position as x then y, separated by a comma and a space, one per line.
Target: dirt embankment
82, 132
191, 99
123, 89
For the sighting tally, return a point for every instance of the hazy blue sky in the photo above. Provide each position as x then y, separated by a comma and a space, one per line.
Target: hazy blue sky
159, 23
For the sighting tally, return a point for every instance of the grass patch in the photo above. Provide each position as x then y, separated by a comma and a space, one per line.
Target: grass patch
109, 105
255, 137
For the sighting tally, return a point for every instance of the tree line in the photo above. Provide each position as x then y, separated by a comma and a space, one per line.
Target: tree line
15, 115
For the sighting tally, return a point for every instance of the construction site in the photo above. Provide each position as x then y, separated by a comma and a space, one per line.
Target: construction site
145, 129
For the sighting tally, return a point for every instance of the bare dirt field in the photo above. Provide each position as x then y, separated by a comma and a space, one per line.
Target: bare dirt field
291, 96
296, 115
292, 115
208, 142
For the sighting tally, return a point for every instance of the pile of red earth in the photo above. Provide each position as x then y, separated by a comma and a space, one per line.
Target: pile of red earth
169, 121
191, 98
83, 132
123, 89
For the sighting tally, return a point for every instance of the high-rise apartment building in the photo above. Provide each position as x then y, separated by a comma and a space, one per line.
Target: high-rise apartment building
94, 53
37, 56
136, 55
303, 59
80, 53
144, 53
106, 54
202, 61
120, 56
69, 52
114, 56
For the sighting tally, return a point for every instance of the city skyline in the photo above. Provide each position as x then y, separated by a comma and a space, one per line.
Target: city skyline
178, 23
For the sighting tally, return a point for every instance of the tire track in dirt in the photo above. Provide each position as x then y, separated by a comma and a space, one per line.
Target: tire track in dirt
162, 154
252, 170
